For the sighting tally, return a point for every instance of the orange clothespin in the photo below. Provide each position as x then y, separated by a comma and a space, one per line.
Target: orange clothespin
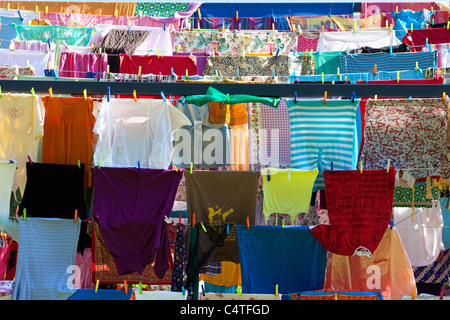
374, 70
305, 53
125, 286
134, 95
50, 92
248, 223
193, 220
76, 216
323, 29
325, 98
443, 96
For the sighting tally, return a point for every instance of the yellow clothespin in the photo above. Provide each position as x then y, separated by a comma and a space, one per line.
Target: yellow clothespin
116, 13
322, 78
139, 71
46, 10
223, 27
8, 6
134, 95
325, 98
374, 70
36, 9
276, 290
32, 92
417, 66
361, 166
448, 24
323, 29
85, 94
412, 28
199, 15
398, 76
391, 28
388, 165
107, 69
396, 9
48, 65
76, 216
443, 96
157, 52
96, 285
178, 49
50, 92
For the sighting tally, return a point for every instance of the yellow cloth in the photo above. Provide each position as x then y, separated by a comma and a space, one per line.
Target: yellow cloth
230, 276
97, 8
233, 114
285, 196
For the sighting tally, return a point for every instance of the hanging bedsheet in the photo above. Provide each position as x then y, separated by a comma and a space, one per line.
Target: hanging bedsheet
365, 62
180, 65
235, 43
305, 270
218, 199
132, 133
38, 60
335, 41
73, 36
398, 130
418, 39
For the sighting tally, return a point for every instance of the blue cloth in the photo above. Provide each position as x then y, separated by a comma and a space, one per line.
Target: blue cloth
288, 256
7, 32
446, 217
365, 62
367, 76
209, 287
101, 294
45, 259
404, 18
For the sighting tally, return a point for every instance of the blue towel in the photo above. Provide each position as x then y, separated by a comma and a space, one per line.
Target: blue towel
101, 294
47, 249
288, 256
365, 62
7, 32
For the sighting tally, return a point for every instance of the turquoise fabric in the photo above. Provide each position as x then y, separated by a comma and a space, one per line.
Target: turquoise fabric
327, 62
73, 36
404, 19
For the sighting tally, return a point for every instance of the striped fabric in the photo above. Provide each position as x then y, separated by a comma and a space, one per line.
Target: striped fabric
321, 134
46, 258
365, 62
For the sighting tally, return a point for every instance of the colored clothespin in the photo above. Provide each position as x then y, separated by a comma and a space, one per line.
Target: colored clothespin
8, 7
331, 167
295, 98
338, 72
203, 226
276, 290
228, 228
236, 16
248, 222
398, 76
32, 92
361, 166
426, 42
448, 24
125, 286
417, 66
129, 25
135, 95
391, 28
125, 51
353, 97
390, 50
323, 80
268, 175
1, 95
239, 27
108, 93
96, 285
140, 287
412, 28
116, 13
100, 163
443, 96
139, 165
24, 214
20, 15
193, 220
375, 98
46, 10
375, 70
29, 160
348, 50
139, 71
76, 216
85, 94
163, 96
79, 164
278, 51
178, 49
157, 52
181, 217
323, 29
273, 73
50, 92
164, 26
190, 170
187, 74
199, 15
237, 74
325, 98
100, 76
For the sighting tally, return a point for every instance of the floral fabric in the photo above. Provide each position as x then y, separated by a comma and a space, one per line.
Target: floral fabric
236, 43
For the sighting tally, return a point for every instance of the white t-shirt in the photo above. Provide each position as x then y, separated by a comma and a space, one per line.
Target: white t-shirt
136, 131
7, 170
421, 235
21, 126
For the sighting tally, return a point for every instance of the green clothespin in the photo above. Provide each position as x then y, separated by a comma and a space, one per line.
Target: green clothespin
1, 95
24, 214
191, 167
79, 164
239, 290
100, 164
203, 226
32, 92
140, 287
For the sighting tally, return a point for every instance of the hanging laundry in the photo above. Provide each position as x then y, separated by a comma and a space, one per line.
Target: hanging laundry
37, 60
5, 252
219, 198
398, 48
21, 127
33, 45
133, 225
305, 43
73, 36
79, 65
359, 208
236, 296
83, 261
229, 276
68, 132
341, 41
287, 191
203, 143
101, 294
364, 62
179, 260
406, 197
283, 66
302, 271
7, 172
154, 64
435, 273
420, 230
42, 270
233, 114
159, 295
119, 41
444, 202
336, 295
248, 23
8, 32
321, 134
104, 268
132, 132
387, 271
405, 19
327, 62
398, 139
235, 43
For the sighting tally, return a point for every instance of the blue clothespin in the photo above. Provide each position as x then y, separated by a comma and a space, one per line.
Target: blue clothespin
183, 101
108, 93
391, 223
278, 51
390, 50
56, 75
348, 50
331, 166
273, 73
171, 72
163, 96
353, 97
139, 166
164, 26
426, 42
228, 228
237, 74
99, 76
295, 99
268, 175
20, 16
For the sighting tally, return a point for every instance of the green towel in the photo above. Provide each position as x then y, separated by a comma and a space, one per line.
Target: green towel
73, 36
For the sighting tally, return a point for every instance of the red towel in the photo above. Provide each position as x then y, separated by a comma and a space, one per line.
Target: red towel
359, 208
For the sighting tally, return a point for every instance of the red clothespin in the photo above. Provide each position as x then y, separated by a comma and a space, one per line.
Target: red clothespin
181, 216
193, 220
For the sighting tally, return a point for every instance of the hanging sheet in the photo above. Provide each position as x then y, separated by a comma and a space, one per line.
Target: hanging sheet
180, 65
436, 272
418, 39
80, 65
38, 60
73, 36
304, 270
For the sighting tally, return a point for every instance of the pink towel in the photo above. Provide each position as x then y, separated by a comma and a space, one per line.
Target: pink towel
77, 65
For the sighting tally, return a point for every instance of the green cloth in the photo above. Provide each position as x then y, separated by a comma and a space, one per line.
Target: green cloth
215, 95
158, 9
73, 36
327, 62
403, 196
